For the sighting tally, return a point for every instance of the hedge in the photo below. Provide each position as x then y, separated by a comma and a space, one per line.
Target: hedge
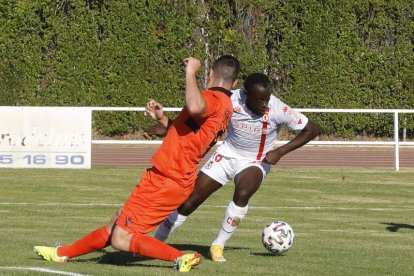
318, 54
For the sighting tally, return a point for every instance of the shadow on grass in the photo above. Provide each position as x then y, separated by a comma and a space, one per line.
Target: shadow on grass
394, 227
128, 259
266, 254
202, 249
116, 258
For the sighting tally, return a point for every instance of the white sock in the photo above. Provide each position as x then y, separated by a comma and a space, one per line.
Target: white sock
169, 225
232, 217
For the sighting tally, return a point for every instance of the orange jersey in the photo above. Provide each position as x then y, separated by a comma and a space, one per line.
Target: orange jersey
189, 138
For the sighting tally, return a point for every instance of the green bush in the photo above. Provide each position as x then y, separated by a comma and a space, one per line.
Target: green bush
318, 54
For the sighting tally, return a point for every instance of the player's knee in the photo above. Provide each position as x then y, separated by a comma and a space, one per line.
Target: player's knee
187, 207
116, 242
241, 198
111, 223
119, 241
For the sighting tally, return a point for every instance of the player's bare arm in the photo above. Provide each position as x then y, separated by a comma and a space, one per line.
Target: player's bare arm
308, 133
155, 111
194, 101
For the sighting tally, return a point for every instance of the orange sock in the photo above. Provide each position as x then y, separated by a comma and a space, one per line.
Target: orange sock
148, 246
95, 240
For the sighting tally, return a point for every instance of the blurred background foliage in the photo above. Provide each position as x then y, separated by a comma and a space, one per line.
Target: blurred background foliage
318, 54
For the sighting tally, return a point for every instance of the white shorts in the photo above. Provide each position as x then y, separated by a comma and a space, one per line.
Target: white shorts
223, 169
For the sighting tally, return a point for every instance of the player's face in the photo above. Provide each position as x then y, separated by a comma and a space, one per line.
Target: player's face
257, 100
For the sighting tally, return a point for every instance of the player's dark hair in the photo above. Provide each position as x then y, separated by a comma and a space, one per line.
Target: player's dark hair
227, 67
257, 79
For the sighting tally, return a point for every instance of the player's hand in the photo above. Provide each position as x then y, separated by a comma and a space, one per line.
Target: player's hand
192, 65
272, 157
155, 110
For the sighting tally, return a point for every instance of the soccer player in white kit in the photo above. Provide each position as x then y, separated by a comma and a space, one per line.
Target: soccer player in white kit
246, 156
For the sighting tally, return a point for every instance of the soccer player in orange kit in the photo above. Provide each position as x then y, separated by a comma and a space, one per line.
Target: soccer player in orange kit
170, 181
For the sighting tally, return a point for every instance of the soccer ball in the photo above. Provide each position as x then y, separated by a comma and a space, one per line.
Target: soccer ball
278, 237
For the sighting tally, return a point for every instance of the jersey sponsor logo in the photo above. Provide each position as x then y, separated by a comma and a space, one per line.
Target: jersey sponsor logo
246, 126
252, 128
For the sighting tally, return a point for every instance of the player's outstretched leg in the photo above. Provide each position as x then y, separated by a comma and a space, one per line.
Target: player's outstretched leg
232, 217
98, 239
148, 246
95, 240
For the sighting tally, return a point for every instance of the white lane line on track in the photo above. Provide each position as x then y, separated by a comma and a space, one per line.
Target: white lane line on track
40, 269
221, 206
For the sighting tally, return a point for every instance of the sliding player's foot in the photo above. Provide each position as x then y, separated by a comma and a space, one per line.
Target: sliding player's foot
187, 261
49, 254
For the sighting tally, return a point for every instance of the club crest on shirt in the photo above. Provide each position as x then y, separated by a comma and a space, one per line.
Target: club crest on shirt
237, 109
208, 165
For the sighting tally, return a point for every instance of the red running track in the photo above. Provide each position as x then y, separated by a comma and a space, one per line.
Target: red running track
305, 157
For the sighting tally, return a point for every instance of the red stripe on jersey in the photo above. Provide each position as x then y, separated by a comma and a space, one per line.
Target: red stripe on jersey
264, 133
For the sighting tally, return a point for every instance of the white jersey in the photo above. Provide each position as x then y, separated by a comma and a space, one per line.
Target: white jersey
252, 136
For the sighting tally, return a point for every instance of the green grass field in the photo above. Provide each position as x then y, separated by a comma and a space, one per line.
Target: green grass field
347, 222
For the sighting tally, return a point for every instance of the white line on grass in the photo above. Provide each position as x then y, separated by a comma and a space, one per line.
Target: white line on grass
40, 269
60, 204
221, 206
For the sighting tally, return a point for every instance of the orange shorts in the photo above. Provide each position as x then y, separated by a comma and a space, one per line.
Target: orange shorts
152, 200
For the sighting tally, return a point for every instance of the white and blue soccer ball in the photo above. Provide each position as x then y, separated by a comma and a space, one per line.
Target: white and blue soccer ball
278, 237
